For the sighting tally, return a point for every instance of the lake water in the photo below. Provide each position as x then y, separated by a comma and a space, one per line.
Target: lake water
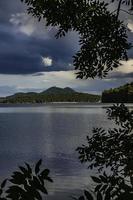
50, 132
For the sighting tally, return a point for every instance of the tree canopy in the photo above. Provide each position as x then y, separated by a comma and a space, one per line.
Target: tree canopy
123, 94
102, 36
111, 153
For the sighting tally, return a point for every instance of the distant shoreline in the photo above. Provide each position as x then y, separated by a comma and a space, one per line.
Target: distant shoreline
100, 104
49, 103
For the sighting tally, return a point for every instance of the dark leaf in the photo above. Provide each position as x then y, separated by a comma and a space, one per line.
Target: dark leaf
45, 173
37, 167
99, 196
88, 195
3, 183
95, 179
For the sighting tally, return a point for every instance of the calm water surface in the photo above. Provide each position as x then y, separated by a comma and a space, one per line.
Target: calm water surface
50, 132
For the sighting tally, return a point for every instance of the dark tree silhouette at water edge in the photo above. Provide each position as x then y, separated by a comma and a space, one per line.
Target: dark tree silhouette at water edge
111, 153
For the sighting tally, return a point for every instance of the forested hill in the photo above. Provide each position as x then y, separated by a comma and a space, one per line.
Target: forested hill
123, 94
53, 94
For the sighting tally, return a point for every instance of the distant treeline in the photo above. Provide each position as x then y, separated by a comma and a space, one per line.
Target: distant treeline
123, 94
51, 95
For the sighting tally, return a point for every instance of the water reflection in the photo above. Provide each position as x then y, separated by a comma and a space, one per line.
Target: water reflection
51, 133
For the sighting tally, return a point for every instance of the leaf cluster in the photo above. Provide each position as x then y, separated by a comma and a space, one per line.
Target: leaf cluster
26, 183
108, 188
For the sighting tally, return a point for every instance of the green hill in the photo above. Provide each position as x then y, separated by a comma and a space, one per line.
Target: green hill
123, 94
53, 94
57, 90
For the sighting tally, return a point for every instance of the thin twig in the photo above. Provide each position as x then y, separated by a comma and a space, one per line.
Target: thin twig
126, 12
129, 13
118, 9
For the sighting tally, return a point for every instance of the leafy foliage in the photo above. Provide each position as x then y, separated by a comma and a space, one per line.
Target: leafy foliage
26, 183
102, 37
111, 152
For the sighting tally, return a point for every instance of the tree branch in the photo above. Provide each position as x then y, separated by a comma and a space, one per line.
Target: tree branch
118, 9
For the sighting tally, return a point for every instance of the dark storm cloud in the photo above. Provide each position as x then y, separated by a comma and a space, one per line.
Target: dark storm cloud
21, 54
25, 58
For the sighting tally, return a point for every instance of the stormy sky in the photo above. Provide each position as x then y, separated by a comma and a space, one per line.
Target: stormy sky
31, 59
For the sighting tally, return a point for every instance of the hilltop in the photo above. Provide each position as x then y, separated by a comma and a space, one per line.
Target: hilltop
122, 94
53, 94
57, 90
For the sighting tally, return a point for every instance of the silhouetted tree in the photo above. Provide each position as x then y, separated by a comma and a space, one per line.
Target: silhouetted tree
102, 36
111, 153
